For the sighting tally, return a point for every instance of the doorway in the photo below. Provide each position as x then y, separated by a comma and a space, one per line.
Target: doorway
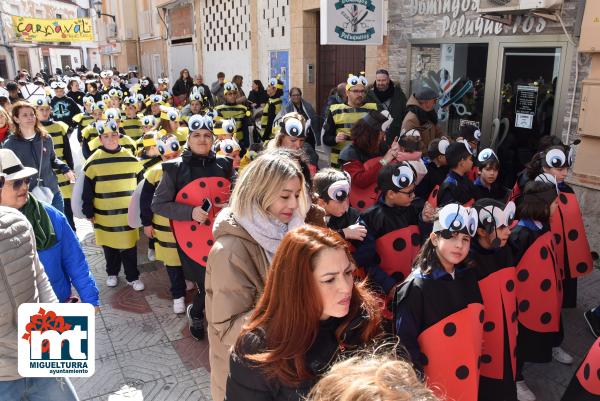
334, 63
525, 104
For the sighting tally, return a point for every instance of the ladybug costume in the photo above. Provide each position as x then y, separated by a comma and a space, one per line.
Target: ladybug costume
539, 291
439, 317
363, 170
585, 384
497, 277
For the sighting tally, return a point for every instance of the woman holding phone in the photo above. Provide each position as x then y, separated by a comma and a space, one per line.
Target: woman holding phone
365, 156
192, 190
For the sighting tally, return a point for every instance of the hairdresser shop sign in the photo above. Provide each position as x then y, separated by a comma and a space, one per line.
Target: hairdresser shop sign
352, 22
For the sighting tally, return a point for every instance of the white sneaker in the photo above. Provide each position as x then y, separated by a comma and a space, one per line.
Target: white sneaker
189, 285
560, 355
151, 255
179, 305
111, 281
137, 285
523, 392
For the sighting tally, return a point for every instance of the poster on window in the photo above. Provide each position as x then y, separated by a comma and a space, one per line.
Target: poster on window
525, 106
352, 22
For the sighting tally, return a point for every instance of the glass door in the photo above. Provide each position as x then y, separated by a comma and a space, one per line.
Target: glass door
526, 106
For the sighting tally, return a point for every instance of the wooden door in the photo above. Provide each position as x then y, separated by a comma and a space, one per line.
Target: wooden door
334, 63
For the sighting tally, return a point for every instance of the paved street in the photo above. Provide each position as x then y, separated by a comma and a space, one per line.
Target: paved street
141, 344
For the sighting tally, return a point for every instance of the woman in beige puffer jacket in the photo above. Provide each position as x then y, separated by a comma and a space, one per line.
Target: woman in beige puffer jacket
269, 199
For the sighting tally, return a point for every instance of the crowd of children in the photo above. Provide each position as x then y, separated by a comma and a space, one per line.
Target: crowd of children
471, 276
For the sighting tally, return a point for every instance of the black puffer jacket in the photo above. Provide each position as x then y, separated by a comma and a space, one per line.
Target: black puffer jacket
247, 382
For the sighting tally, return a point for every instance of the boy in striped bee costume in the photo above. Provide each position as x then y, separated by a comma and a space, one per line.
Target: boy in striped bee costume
111, 176
271, 109
125, 141
58, 131
90, 132
158, 227
233, 111
84, 118
131, 124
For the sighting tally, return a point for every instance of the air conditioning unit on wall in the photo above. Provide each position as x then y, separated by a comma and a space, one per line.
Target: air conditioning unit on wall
516, 6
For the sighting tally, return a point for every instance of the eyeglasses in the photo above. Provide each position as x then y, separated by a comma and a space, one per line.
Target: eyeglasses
295, 95
17, 184
407, 192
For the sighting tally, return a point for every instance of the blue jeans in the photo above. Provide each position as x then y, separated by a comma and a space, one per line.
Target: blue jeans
58, 202
38, 389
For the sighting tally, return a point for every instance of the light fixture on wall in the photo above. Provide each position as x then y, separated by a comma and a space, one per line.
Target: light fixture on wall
97, 5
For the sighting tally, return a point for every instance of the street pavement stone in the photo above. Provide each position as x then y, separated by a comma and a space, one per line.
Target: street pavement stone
145, 352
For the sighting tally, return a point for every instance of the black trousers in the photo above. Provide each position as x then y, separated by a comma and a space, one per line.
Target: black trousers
177, 279
196, 273
69, 213
126, 257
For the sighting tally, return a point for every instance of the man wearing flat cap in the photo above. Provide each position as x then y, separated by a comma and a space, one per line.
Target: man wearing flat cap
422, 116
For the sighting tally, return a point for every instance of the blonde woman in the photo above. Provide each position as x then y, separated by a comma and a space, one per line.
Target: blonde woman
371, 378
269, 200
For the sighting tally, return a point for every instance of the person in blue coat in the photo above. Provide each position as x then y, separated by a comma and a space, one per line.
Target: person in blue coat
57, 245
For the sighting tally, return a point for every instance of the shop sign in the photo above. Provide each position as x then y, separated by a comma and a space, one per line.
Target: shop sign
460, 18
525, 107
53, 30
352, 22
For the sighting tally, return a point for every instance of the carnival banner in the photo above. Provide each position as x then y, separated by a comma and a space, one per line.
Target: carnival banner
53, 30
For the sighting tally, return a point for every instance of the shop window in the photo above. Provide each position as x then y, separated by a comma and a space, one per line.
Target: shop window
458, 73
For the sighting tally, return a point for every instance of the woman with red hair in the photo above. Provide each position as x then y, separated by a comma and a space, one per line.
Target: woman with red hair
310, 312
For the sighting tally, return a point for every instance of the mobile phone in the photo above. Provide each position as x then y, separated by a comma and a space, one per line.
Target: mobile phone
206, 205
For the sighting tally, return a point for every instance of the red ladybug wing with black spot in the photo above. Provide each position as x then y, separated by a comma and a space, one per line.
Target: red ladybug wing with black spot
363, 198
452, 348
516, 192
397, 251
498, 293
539, 286
588, 373
432, 200
196, 239
578, 248
556, 227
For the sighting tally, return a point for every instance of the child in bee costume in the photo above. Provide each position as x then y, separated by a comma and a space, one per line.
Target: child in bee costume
197, 104
84, 118
153, 105
58, 131
158, 227
111, 176
170, 124
238, 112
271, 109
90, 132
131, 124
149, 155
113, 117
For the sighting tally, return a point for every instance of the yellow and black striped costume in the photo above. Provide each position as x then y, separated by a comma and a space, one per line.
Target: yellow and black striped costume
125, 142
344, 117
271, 109
110, 180
88, 133
82, 120
132, 128
149, 162
58, 132
238, 112
165, 245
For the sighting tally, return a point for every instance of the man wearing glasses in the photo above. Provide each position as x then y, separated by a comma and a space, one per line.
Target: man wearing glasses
341, 117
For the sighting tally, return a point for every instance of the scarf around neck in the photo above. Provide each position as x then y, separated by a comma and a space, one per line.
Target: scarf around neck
267, 231
37, 216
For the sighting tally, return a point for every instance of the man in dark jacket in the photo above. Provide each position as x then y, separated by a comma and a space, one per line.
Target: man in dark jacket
199, 82
390, 97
